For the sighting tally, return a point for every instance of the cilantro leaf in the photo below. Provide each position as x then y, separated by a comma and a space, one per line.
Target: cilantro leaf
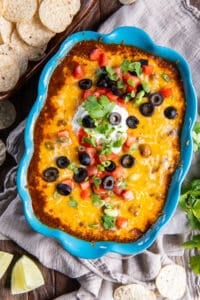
165, 77
146, 87
193, 243
139, 97
132, 67
98, 108
195, 264
196, 136
111, 73
96, 200
96, 181
72, 202
108, 221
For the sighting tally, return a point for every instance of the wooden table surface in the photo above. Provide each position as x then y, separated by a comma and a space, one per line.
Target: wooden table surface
56, 284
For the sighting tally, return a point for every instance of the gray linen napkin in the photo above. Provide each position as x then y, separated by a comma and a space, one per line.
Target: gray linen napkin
171, 23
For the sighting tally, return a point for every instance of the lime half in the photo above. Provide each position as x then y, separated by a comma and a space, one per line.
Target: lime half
5, 260
26, 276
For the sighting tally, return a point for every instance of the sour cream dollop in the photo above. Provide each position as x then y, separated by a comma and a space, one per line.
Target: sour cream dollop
119, 132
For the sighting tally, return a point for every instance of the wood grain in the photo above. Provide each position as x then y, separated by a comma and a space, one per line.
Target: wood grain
56, 283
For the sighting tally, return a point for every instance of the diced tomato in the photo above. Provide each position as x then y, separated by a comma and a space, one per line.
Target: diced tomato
117, 190
130, 89
99, 190
78, 72
95, 54
147, 69
121, 222
118, 72
63, 133
85, 193
127, 195
118, 172
129, 142
84, 185
87, 93
100, 91
92, 170
69, 182
81, 135
166, 92
110, 156
103, 60
111, 96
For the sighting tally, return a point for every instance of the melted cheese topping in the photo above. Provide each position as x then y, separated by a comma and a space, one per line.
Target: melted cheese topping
148, 179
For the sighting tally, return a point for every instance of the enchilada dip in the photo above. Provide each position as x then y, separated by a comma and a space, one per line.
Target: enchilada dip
107, 142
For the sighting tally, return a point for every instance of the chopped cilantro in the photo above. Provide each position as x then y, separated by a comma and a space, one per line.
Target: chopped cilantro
135, 67
100, 168
117, 143
103, 128
49, 145
111, 73
131, 82
96, 181
96, 200
106, 163
125, 66
109, 205
108, 221
73, 167
132, 67
139, 97
122, 184
165, 77
72, 202
93, 226
196, 136
129, 96
98, 109
90, 140
120, 85
146, 87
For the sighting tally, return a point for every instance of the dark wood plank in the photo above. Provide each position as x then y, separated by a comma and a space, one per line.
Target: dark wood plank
56, 283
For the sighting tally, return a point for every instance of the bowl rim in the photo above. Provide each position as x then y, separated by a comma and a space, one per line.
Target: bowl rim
85, 249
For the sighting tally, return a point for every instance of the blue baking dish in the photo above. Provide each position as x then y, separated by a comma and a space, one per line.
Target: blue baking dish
81, 248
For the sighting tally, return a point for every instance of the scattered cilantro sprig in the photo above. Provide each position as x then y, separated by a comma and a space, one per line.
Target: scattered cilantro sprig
190, 202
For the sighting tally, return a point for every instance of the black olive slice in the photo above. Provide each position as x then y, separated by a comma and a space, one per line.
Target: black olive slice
62, 162
85, 84
111, 167
80, 175
156, 99
116, 91
132, 122
84, 158
114, 118
50, 174
147, 109
88, 122
170, 112
127, 161
63, 189
144, 62
108, 183
102, 83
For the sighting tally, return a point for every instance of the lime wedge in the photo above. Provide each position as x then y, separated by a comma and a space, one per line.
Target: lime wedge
5, 260
25, 276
